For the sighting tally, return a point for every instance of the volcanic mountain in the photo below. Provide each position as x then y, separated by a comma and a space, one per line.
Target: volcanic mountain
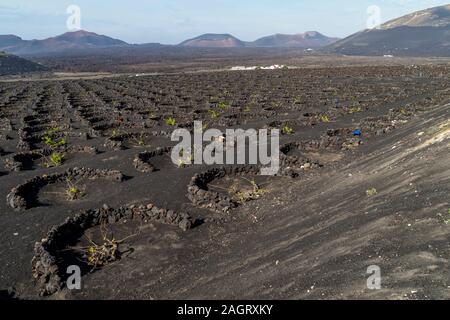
85, 42
310, 39
10, 64
10, 40
78, 40
422, 33
211, 40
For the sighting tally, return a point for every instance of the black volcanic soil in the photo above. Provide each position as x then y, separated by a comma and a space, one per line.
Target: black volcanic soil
313, 231
13, 65
163, 59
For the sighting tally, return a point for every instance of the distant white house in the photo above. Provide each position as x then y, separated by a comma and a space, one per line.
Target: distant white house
243, 68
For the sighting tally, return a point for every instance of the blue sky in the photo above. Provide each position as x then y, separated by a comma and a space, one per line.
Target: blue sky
172, 21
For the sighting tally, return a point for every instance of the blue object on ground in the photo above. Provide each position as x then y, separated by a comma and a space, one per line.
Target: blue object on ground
357, 133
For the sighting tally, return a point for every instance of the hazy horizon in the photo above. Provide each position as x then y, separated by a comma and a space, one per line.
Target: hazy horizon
173, 21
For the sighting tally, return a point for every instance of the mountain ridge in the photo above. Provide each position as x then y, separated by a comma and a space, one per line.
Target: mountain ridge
214, 40
421, 33
85, 40
309, 39
431, 17
68, 41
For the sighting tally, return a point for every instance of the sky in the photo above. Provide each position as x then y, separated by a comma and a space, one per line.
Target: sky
173, 21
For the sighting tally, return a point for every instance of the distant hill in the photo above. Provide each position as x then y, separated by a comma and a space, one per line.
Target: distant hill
311, 39
10, 64
9, 40
432, 17
422, 33
87, 39
211, 40
78, 40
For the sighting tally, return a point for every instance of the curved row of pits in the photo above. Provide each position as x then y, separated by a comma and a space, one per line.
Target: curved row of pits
27, 160
65, 244
219, 189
